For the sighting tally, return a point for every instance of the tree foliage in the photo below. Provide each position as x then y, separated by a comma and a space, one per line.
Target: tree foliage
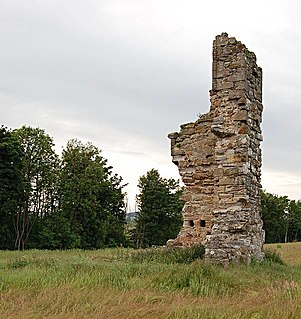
281, 218
12, 186
159, 209
91, 197
40, 169
77, 202
294, 221
52, 203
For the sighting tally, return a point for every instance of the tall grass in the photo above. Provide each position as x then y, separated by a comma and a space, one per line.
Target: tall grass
272, 256
122, 283
168, 255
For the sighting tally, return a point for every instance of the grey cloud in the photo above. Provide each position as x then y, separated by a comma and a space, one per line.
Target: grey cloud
125, 74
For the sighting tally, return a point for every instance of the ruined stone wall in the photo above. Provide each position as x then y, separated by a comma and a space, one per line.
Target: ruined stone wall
219, 160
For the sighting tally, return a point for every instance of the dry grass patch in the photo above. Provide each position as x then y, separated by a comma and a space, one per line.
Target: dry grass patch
71, 303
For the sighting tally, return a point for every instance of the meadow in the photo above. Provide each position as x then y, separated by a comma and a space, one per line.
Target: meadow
110, 283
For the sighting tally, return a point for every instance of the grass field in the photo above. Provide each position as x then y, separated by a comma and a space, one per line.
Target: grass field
106, 284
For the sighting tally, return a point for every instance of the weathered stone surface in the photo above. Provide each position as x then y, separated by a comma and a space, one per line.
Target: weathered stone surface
219, 160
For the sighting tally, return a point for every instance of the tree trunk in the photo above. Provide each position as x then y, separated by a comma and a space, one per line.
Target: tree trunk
22, 227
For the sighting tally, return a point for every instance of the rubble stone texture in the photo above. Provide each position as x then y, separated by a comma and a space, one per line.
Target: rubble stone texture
219, 160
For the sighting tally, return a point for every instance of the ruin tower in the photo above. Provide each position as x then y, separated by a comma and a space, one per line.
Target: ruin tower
219, 160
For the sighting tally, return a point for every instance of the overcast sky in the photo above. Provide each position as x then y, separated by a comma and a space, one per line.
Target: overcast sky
124, 73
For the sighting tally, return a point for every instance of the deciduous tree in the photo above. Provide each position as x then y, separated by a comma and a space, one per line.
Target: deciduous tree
91, 196
40, 168
159, 209
12, 186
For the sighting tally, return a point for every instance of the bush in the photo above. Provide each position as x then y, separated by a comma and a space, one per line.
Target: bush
53, 232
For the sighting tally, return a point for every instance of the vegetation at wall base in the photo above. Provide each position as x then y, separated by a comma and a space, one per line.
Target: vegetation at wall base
272, 256
168, 255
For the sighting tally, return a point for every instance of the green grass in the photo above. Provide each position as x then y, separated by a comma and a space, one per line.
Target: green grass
123, 283
168, 255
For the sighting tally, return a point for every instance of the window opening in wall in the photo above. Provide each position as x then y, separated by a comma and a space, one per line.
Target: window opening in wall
203, 223
191, 223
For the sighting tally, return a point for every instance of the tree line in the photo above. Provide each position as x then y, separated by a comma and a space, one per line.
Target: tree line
47, 202
75, 201
281, 218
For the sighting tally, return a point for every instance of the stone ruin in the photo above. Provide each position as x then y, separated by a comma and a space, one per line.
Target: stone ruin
219, 160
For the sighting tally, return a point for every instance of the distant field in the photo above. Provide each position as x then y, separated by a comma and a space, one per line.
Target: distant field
290, 252
105, 284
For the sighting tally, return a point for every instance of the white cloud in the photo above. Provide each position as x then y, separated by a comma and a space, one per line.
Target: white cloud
282, 183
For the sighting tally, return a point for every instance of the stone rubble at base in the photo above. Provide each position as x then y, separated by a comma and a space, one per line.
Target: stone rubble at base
219, 160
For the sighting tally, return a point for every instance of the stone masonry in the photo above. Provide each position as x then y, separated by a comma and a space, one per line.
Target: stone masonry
219, 160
